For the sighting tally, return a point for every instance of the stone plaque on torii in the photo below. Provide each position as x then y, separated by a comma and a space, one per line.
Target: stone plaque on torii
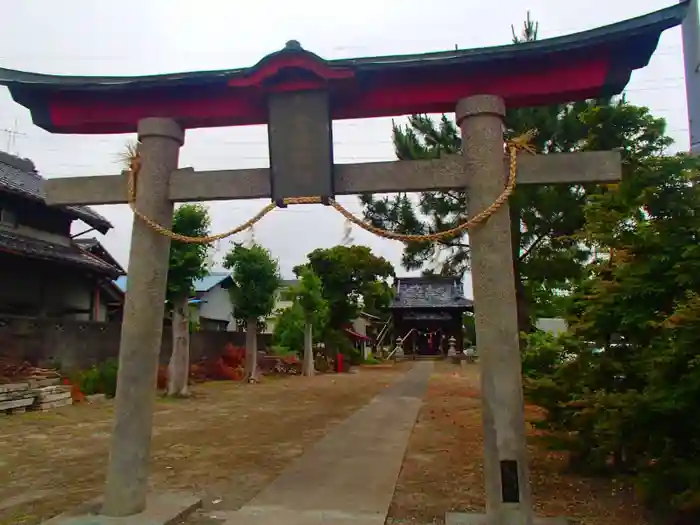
298, 95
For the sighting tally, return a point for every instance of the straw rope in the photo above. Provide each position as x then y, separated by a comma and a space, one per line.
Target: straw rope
521, 143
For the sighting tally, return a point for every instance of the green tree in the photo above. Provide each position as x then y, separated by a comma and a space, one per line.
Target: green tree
625, 397
309, 297
352, 278
289, 329
469, 327
188, 262
256, 279
348, 274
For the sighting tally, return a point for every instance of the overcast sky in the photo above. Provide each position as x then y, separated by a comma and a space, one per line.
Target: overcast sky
130, 37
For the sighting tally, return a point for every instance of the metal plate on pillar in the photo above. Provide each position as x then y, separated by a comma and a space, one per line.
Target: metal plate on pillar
510, 487
301, 145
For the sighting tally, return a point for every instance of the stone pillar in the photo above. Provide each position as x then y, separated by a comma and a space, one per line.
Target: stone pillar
142, 325
508, 497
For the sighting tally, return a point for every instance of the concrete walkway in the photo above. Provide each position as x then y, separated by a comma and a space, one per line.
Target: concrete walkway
348, 477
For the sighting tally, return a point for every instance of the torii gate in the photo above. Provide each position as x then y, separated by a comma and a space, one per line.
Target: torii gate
298, 95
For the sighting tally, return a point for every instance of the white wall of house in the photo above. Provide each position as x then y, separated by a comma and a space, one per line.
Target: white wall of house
552, 325
281, 303
359, 325
216, 304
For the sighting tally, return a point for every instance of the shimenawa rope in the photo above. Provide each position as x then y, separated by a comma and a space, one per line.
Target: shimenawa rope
521, 143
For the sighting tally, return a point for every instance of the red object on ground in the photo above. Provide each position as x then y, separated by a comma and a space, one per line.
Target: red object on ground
233, 356
76, 395
339, 363
14, 370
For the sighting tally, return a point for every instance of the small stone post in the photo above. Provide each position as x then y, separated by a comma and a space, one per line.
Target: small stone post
142, 326
508, 497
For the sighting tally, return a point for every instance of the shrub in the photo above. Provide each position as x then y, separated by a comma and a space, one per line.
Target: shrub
100, 379
544, 352
371, 360
282, 351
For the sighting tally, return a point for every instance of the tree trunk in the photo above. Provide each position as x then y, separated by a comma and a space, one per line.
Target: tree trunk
251, 349
308, 366
179, 366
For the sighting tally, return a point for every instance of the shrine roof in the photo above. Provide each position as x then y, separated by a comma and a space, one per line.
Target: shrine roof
588, 64
430, 292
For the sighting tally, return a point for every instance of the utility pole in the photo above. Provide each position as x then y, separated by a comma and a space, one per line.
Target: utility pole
691, 58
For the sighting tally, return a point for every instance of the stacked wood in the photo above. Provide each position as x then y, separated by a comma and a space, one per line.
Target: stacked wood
16, 397
19, 397
26, 387
50, 397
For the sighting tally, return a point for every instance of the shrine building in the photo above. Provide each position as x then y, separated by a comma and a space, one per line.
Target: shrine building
427, 311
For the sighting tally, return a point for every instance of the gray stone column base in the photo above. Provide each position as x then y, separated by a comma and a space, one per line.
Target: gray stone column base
473, 518
167, 508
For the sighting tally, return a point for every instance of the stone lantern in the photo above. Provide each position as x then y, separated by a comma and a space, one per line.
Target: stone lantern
398, 351
452, 347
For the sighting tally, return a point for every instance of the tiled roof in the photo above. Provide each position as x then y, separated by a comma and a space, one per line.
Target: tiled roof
19, 176
88, 243
430, 292
11, 242
95, 247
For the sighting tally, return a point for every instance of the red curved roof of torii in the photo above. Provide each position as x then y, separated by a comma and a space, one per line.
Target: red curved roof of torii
589, 64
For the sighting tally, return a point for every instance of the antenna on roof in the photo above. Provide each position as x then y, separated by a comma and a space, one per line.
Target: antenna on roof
12, 136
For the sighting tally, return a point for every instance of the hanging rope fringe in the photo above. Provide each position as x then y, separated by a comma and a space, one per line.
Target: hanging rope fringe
521, 143
347, 239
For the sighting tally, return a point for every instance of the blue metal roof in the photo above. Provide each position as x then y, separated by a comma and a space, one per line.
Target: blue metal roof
121, 282
210, 281
200, 285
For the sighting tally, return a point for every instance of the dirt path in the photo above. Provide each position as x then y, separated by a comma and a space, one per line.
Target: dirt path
229, 433
442, 470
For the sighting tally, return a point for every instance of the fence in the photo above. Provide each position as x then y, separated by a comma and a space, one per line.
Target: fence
80, 344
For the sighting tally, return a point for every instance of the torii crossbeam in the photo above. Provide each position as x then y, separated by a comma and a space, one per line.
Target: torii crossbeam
188, 185
298, 94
